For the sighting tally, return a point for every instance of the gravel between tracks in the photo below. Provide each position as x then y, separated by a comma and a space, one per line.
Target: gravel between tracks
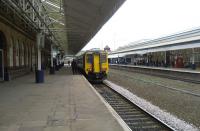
182, 105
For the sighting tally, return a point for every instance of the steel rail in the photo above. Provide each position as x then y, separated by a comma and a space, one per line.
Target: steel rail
135, 117
164, 86
125, 67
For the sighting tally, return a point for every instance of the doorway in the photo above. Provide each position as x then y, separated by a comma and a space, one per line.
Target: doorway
1, 66
96, 63
2, 56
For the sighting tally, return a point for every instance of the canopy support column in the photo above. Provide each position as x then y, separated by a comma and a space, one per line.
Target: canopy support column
57, 63
39, 72
193, 59
52, 68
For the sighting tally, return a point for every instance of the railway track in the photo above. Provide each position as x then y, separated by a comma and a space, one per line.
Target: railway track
135, 117
173, 77
165, 86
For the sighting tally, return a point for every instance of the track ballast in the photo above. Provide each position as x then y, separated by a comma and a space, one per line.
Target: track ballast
136, 118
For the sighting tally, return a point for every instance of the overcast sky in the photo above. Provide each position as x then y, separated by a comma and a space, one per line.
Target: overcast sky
146, 19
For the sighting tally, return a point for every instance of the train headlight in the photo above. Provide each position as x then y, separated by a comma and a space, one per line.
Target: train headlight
89, 69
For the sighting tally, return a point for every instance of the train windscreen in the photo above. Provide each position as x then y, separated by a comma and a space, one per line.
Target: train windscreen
103, 57
89, 58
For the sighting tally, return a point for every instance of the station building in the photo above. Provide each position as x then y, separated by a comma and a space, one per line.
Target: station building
32, 31
181, 50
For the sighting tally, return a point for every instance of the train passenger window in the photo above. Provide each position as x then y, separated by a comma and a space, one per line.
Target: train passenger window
80, 61
89, 58
103, 58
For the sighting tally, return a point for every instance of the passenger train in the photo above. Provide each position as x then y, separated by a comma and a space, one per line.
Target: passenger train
93, 64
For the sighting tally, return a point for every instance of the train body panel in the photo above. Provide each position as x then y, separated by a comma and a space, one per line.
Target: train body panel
94, 65
104, 62
96, 59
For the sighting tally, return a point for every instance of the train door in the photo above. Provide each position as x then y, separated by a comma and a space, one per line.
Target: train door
96, 62
1, 65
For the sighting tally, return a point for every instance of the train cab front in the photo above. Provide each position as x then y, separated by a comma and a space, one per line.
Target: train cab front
96, 66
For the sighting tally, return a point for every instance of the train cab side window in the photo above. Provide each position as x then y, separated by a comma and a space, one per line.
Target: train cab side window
89, 58
103, 58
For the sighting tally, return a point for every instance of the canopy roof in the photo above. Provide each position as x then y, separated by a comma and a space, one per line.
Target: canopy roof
77, 21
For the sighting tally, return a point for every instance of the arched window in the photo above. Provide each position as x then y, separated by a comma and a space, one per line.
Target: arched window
26, 54
30, 55
22, 54
33, 57
17, 53
11, 52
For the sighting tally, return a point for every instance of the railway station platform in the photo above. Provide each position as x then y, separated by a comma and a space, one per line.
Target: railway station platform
64, 102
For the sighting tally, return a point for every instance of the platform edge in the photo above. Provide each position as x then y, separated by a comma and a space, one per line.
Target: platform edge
111, 110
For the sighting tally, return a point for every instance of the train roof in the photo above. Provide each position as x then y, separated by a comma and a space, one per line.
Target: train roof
89, 51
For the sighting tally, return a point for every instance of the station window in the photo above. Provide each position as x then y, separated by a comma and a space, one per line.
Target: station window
89, 58
26, 55
17, 53
197, 55
22, 54
80, 60
33, 57
128, 60
11, 52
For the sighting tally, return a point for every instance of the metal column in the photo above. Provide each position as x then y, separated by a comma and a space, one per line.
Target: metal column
39, 72
52, 68
193, 59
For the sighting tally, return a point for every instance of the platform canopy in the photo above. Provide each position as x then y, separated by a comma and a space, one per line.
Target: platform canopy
84, 18
75, 22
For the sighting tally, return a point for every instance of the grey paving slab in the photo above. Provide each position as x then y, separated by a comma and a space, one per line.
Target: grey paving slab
65, 102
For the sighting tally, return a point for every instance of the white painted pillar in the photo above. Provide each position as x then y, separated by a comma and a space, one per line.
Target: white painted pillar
57, 60
52, 68
193, 56
60, 60
147, 60
51, 55
38, 51
39, 72
39, 59
40, 43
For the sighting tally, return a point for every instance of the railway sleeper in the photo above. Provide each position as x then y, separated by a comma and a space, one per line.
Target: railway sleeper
135, 118
139, 116
143, 125
133, 128
143, 121
131, 113
118, 105
126, 110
